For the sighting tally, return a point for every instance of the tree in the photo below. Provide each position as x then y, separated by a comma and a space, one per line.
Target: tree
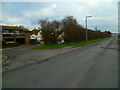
109, 33
50, 31
71, 29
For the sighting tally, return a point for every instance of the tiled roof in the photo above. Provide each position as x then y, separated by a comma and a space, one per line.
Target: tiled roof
13, 27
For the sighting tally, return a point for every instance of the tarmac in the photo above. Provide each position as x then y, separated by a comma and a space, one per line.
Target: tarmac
13, 58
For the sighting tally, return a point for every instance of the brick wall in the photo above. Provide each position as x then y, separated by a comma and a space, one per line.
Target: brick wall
27, 37
0, 33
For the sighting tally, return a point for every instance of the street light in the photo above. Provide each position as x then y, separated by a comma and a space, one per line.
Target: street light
86, 27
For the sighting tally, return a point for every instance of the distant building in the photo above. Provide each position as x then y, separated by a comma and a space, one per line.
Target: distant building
15, 34
60, 38
114, 34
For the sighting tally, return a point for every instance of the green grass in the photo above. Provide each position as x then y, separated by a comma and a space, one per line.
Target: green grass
76, 44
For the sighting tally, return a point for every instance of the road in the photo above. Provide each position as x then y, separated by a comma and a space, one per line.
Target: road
91, 66
21, 56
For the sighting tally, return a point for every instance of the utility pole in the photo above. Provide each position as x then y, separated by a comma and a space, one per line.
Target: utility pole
86, 27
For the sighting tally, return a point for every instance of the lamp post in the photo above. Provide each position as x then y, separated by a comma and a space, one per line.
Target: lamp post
86, 27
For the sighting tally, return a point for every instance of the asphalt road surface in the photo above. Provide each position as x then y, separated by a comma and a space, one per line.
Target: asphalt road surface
92, 66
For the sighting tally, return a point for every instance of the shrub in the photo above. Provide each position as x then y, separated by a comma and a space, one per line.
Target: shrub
6, 45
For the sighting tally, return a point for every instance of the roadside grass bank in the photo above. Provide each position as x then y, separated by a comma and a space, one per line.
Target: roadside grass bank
76, 44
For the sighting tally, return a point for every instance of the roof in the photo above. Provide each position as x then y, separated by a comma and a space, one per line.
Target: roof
14, 27
35, 31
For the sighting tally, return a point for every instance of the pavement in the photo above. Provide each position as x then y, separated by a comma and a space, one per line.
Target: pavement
91, 66
20, 56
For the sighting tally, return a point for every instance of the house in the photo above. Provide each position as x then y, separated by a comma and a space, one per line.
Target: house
36, 36
60, 38
13, 34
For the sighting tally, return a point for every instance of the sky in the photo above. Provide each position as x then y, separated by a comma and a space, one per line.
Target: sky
104, 14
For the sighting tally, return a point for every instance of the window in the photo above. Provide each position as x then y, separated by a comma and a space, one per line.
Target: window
8, 35
5, 31
17, 32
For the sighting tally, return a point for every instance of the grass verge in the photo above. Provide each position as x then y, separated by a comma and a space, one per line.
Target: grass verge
76, 44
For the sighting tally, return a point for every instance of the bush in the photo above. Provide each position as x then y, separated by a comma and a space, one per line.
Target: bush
32, 41
6, 45
16, 44
3, 42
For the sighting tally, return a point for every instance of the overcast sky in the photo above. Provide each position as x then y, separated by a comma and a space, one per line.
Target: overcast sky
104, 14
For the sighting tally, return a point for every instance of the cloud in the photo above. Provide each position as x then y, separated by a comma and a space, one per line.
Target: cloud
54, 5
28, 14
44, 12
13, 20
27, 18
17, 21
40, 13
57, 0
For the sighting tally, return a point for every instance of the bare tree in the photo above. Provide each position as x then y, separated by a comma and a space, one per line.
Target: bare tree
50, 31
72, 31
